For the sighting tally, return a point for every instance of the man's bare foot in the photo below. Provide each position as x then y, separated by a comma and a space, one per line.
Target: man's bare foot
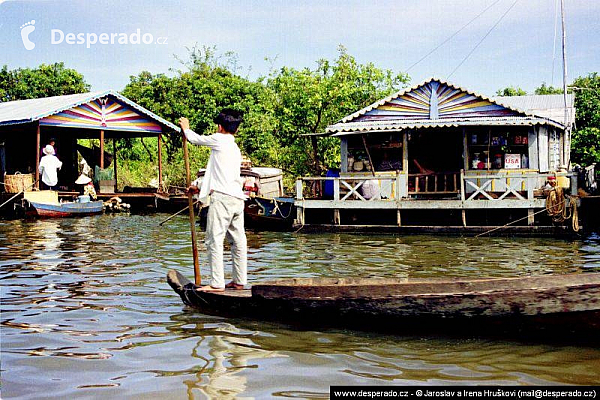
233, 285
209, 288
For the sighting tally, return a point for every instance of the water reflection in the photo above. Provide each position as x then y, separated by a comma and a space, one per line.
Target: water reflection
86, 312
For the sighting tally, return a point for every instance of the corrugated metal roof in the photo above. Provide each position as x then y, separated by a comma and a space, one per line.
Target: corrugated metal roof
25, 111
550, 106
388, 126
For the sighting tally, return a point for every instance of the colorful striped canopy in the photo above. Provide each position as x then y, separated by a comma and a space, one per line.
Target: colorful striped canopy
103, 113
435, 100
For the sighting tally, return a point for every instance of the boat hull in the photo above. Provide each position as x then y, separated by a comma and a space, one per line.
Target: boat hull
565, 306
270, 214
63, 210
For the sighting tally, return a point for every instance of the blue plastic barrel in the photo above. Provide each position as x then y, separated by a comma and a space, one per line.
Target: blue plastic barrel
328, 189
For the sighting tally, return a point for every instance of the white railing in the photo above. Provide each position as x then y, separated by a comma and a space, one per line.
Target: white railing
471, 186
389, 188
502, 185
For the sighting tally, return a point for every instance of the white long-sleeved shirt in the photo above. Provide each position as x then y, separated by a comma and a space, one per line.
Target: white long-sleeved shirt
223, 169
49, 164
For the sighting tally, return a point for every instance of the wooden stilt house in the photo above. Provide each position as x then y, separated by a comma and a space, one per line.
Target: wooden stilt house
26, 126
437, 156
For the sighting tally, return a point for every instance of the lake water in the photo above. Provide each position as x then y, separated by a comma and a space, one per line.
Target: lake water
87, 313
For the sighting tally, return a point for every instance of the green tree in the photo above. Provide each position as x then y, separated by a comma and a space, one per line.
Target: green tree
199, 91
543, 89
278, 109
511, 91
307, 100
585, 146
43, 81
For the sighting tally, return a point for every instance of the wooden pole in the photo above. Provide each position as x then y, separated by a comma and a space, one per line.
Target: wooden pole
197, 276
102, 149
115, 162
565, 153
37, 157
160, 177
368, 154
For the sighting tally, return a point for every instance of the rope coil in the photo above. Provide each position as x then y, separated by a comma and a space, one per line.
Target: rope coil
562, 207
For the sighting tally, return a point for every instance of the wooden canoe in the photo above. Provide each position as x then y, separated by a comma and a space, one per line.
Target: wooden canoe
61, 210
566, 306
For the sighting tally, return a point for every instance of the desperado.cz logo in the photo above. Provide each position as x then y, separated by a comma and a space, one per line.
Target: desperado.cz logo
89, 39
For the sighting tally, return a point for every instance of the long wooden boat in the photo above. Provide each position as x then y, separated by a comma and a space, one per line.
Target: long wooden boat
549, 306
68, 209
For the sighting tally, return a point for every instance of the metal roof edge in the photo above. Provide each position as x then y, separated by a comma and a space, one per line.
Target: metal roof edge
94, 96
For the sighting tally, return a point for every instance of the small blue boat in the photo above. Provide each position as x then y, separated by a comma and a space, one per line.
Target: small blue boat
68, 209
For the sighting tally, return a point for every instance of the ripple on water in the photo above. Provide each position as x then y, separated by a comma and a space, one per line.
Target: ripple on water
86, 312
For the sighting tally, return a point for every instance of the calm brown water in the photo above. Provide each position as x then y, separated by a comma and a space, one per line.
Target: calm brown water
86, 312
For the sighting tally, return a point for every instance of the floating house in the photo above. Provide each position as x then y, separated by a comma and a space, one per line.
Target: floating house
437, 157
26, 126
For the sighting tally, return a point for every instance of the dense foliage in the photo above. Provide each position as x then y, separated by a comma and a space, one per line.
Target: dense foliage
585, 146
43, 81
279, 109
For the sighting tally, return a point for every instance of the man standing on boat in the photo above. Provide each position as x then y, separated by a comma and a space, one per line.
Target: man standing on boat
49, 165
222, 184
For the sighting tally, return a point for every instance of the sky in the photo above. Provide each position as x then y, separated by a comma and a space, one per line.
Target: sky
522, 47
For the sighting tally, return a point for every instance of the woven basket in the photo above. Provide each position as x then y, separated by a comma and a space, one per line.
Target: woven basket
18, 182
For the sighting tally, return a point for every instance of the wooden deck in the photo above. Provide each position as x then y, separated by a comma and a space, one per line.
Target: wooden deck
466, 192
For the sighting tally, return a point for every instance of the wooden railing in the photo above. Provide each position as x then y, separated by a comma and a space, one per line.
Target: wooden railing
471, 187
514, 184
435, 183
350, 188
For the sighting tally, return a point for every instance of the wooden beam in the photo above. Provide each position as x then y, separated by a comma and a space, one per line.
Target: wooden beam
160, 175
102, 149
344, 154
114, 162
465, 150
37, 156
530, 217
405, 152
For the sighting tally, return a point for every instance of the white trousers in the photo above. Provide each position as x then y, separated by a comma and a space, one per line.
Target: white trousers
226, 220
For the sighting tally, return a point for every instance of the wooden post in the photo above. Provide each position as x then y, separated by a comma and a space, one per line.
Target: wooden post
368, 154
465, 149
336, 189
530, 217
336, 216
397, 193
102, 149
197, 276
114, 163
462, 197
398, 217
37, 157
405, 153
299, 189
160, 180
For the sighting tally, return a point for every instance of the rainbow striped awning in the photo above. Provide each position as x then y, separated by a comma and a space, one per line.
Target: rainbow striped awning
435, 103
107, 110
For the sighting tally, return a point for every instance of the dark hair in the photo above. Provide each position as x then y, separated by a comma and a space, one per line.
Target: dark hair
229, 119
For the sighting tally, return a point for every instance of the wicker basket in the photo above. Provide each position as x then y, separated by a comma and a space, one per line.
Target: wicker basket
18, 182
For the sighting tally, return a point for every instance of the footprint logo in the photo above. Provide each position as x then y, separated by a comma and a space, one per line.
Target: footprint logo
26, 29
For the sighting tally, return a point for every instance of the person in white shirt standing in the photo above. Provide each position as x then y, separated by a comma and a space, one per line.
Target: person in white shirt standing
49, 165
222, 183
